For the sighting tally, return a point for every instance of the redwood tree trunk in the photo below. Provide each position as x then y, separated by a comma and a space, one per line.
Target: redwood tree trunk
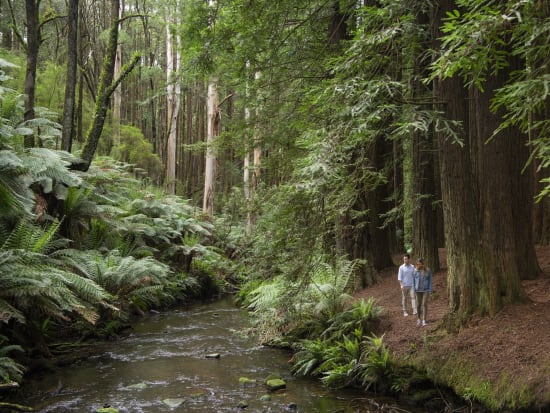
487, 200
506, 198
424, 213
459, 197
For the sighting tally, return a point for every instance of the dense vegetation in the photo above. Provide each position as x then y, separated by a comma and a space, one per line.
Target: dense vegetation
321, 137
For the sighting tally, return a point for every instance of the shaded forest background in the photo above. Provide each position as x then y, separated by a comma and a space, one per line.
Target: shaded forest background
286, 149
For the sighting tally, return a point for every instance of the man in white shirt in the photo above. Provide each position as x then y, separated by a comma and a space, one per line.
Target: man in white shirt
405, 278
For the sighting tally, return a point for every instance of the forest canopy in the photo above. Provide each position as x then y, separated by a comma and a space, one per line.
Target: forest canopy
306, 141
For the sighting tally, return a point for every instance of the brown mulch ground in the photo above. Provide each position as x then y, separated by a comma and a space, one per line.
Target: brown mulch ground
515, 342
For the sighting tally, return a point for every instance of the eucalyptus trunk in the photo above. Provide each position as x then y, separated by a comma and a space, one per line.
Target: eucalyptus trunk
212, 130
172, 107
69, 106
117, 93
32, 48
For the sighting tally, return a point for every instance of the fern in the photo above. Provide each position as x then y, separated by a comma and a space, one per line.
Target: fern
10, 370
358, 317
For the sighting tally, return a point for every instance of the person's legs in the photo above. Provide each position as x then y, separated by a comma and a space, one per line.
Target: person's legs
419, 300
425, 307
413, 300
405, 292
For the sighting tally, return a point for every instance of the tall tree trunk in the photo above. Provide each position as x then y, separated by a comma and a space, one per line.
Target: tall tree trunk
68, 133
397, 234
246, 160
172, 107
424, 216
378, 237
486, 200
33, 46
212, 130
257, 160
459, 195
117, 93
506, 197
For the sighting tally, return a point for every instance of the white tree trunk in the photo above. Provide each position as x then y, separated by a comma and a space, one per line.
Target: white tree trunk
117, 94
212, 130
251, 215
172, 106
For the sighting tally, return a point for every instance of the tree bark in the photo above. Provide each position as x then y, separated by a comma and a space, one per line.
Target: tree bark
172, 108
459, 196
67, 135
506, 197
487, 200
33, 46
106, 89
213, 124
424, 226
117, 93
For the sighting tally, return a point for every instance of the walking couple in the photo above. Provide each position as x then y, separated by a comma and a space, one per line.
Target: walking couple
416, 284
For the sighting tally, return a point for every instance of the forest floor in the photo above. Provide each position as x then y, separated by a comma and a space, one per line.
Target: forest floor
510, 348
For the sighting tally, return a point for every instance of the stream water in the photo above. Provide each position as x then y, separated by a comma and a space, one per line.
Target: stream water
164, 362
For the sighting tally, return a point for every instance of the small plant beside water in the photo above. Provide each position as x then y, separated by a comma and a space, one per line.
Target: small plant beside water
345, 355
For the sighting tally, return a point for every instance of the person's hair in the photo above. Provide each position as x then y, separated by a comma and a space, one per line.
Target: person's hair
407, 255
420, 260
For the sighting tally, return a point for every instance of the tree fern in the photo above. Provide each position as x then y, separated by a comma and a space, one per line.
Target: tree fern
10, 370
37, 283
126, 278
33, 238
15, 196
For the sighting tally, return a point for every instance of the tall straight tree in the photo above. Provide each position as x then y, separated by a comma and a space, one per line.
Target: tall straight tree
172, 103
424, 215
212, 130
69, 106
487, 200
117, 94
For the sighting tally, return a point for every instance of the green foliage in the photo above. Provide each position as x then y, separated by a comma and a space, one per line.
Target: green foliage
50, 87
359, 317
36, 281
139, 281
344, 356
134, 149
486, 36
10, 370
16, 198
300, 308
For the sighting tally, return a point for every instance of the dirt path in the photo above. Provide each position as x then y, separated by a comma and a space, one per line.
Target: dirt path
515, 343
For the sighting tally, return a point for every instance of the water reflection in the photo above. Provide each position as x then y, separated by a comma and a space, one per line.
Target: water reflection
164, 360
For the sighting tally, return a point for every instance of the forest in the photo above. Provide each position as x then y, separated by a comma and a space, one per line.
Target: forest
286, 152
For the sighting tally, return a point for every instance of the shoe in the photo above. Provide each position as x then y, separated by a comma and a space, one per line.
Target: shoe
415, 313
405, 314
424, 324
418, 323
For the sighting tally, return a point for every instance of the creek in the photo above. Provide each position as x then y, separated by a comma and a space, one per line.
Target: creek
164, 358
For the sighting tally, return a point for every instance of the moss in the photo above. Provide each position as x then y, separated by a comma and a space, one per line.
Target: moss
466, 381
